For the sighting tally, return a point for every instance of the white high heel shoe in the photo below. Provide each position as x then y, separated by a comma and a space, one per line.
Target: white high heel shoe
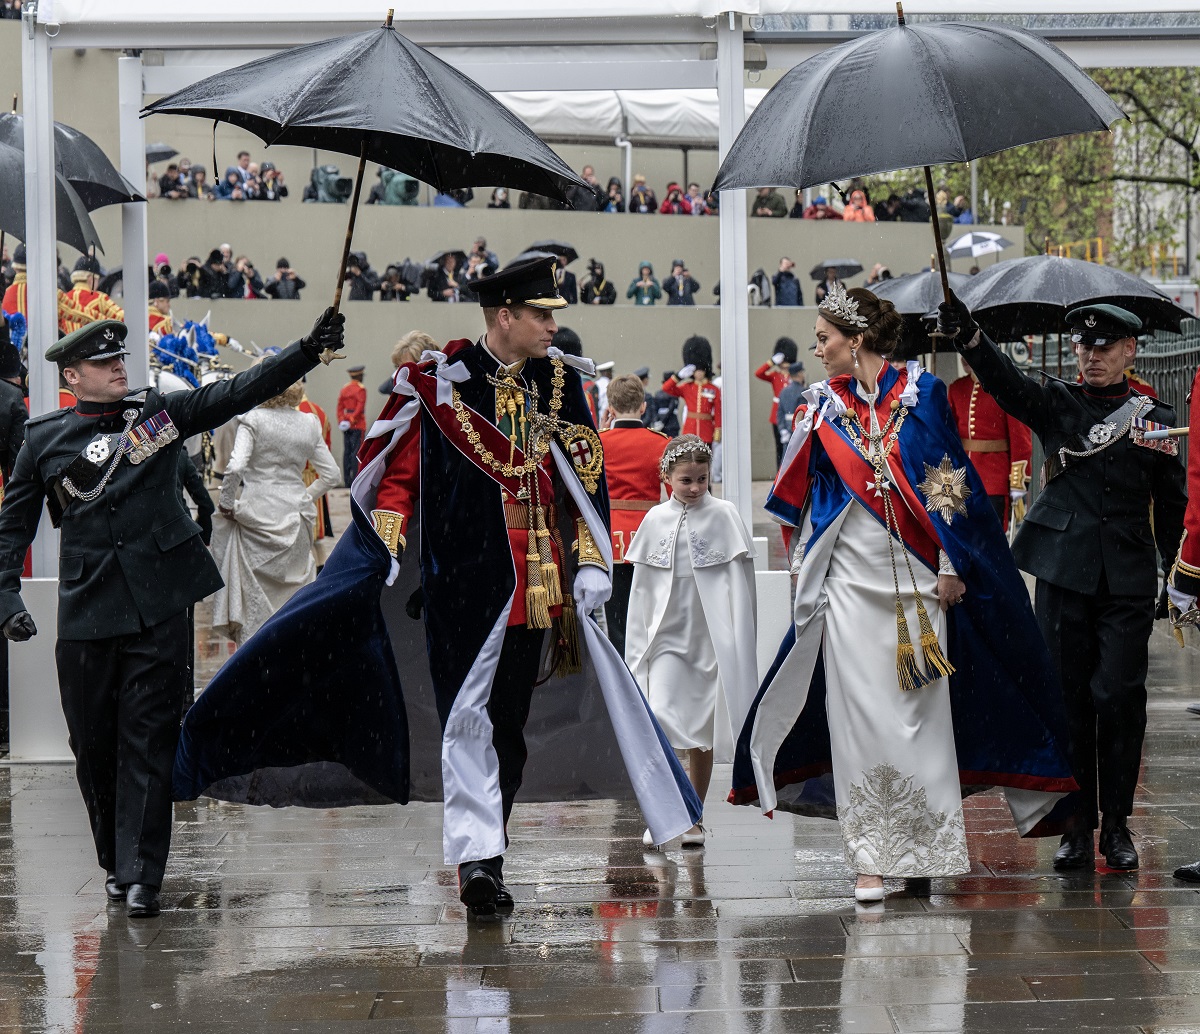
868, 895
648, 841
694, 837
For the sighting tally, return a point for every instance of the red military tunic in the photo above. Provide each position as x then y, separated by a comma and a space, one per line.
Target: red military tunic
778, 378
703, 400
352, 405
310, 475
998, 446
1143, 387
16, 299
632, 454
82, 306
1185, 576
160, 324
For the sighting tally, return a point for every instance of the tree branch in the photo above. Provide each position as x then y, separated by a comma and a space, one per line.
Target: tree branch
1154, 120
1117, 177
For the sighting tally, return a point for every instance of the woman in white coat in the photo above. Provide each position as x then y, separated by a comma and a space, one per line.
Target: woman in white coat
690, 636
263, 547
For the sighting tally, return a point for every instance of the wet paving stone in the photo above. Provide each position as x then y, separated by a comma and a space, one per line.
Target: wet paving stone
299, 922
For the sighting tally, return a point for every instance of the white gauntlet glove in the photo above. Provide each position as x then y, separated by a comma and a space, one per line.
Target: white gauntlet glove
593, 587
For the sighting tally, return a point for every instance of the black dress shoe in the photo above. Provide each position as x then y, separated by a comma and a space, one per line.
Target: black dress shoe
114, 890
478, 890
1193, 708
1188, 873
1075, 851
1117, 846
141, 901
504, 900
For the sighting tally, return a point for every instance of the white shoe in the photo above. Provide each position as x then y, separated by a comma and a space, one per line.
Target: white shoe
648, 841
694, 837
869, 894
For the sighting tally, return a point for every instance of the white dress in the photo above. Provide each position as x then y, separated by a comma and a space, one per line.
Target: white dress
690, 633
265, 552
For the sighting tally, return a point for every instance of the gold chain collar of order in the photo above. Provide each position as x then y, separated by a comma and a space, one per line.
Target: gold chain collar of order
538, 441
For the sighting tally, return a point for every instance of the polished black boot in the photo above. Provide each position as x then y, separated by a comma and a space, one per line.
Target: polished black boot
1188, 873
1117, 845
112, 889
1075, 851
141, 901
478, 889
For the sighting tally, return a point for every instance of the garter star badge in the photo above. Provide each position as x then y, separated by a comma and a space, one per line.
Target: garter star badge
586, 453
945, 489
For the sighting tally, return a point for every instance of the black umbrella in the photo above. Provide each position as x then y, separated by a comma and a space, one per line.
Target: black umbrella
913, 96
844, 267
79, 160
914, 295
560, 249
73, 225
380, 96
1033, 296
460, 258
160, 153
532, 253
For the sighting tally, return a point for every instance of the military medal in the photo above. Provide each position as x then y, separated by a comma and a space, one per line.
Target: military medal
98, 449
148, 437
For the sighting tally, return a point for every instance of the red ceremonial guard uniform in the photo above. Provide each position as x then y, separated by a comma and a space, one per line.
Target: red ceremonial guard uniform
160, 324
352, 420
632, 454
778, 378
82, 304
16, 297
310, 475
998, 446
1143, 386
703, 401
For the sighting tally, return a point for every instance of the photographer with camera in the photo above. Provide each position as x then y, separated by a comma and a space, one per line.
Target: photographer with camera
271, 185
286, 284
244, 281
680, 287
596, 289
231, 188
676, 202
393, 288
614, 198
361, 280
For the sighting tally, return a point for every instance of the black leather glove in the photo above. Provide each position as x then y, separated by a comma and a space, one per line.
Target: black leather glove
1162, 609
19, 627
328, 332
415, 604
955, 321
205, 521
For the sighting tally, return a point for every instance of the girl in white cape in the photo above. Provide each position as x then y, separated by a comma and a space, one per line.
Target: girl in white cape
690, 636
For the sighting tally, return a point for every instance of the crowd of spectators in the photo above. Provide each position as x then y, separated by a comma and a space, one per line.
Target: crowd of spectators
243, 181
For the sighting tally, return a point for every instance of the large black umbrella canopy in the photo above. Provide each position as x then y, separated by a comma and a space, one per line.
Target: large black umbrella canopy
1033, 296
913, 95
73, 225
380, 95
559, 249
845, 267
80, 161
460, 258
160, 152
914, 295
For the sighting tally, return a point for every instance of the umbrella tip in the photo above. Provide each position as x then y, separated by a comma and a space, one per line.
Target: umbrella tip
899, 13
387, 24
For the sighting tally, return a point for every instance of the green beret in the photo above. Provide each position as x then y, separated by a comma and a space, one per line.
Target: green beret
104, 339
1103, 322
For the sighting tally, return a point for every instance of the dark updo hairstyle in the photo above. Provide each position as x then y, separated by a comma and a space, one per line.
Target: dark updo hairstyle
884, 324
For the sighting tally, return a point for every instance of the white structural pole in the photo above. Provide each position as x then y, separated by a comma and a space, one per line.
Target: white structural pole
134, 250
40, 244
735, 322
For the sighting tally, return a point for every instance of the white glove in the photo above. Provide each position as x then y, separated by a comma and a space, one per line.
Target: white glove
686, 372
1017, 493
592, 588
777, 358
343, 425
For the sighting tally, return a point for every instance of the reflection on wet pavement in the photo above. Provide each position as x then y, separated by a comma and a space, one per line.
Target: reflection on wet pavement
280, 921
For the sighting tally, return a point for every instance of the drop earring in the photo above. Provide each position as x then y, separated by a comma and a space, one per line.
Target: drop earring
855, 354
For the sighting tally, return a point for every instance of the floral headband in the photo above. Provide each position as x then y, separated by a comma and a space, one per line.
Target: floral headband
679, 447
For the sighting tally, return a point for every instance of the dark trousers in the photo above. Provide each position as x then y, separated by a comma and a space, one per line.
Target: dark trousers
1000, 505
616, 610
351, 441
121, 699
1099, 642
778, 445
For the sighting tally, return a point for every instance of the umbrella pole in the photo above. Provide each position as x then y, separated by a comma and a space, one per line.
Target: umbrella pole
328, 355
937, 235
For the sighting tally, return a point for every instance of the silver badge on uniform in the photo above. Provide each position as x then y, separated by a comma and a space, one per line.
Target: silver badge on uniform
98, 449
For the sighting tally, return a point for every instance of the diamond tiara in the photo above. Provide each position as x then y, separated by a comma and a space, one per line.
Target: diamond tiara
841, 306
677, 448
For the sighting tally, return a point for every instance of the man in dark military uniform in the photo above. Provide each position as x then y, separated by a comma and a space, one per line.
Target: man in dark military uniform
1089, 541
131, 563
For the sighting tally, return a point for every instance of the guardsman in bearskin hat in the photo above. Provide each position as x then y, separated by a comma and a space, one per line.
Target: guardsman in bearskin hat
131, 564
694, 385
775, 373
1111, 495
